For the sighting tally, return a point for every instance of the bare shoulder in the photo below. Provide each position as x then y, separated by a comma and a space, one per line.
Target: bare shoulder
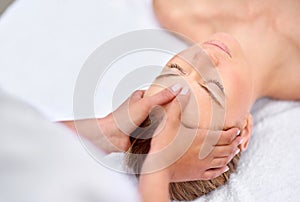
287, 20
286, 85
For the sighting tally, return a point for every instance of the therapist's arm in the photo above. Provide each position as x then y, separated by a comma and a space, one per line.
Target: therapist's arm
111, 133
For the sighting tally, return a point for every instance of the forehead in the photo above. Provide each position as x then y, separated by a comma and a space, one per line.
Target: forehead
197, 59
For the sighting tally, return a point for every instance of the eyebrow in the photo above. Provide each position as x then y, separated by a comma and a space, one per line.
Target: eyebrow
211, 95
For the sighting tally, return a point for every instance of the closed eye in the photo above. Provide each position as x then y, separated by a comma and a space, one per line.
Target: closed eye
213, 97
176, 66
217, 83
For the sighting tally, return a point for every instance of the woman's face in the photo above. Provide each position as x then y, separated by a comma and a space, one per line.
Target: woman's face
218, 77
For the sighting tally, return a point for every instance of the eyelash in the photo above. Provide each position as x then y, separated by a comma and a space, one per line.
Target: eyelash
216, 83
176, 66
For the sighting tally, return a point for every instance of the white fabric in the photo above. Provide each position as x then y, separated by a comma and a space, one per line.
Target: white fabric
42, 161
268, 170
45, 43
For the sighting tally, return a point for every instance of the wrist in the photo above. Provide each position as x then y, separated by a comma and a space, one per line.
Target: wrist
154, 186
156, 164
118, 140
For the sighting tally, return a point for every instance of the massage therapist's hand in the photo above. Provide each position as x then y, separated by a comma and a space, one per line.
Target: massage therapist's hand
111, 133
118, 125
174, 155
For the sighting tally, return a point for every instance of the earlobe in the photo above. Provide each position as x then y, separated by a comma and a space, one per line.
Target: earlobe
246, 132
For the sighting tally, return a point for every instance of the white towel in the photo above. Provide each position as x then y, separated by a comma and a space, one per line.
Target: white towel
269, 169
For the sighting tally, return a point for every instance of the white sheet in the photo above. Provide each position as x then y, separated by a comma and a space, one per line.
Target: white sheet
43, 45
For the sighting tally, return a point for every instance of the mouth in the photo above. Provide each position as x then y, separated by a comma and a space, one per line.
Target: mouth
219, 45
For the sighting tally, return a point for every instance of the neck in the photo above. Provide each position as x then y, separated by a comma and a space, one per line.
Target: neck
260, 44
257, 80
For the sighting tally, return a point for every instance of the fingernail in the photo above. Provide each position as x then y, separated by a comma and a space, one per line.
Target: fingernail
226, 169
239, 131
184, 91
241, 141
237, 151
176, 87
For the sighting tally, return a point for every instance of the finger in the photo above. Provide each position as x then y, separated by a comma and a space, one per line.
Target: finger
213, 173
163, 97
221, 162
223, 151
228, 136
212, 139
139, 109
142, 107
124, 116
136, 96
174, 109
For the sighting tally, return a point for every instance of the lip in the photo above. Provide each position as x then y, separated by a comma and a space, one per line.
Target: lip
219, 45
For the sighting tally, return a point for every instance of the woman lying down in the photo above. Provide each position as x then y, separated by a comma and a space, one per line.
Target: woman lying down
221, 84
223, 87
224, 76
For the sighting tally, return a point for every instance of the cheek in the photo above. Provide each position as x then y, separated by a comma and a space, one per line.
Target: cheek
192, 115
197, 112
237, 97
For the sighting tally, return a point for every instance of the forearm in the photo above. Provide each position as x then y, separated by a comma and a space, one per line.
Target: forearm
99, 132
154, 187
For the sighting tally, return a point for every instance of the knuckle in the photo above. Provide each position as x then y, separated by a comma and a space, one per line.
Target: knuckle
237, 141
137, 92
227, 151
147, 104
221, 162
232, 136
231, 151
209, 176
228, 160
206, 176
227, 139
167, 94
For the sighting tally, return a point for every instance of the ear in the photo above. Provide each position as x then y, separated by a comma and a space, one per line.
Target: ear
246, 132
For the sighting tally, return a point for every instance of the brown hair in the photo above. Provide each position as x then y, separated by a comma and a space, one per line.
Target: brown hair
180, 191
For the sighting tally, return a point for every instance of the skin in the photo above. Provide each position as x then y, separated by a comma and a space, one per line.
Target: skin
268, 35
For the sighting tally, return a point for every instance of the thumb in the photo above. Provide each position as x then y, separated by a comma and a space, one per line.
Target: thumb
175, 108
136, 96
